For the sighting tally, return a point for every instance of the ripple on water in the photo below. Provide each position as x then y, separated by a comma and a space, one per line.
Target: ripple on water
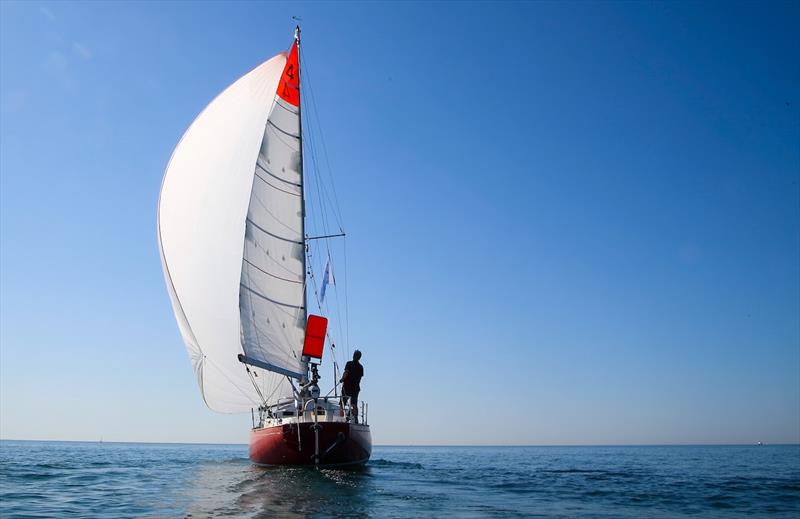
50, 479
394, 464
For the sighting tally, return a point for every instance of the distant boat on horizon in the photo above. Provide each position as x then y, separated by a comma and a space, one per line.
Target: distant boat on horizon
236, 259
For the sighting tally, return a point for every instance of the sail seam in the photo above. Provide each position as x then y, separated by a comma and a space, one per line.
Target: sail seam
285, 312
286, 107
264, 180
282, 130
262, 296
266, 210
281, 139
270, 274
254, 224
270, 173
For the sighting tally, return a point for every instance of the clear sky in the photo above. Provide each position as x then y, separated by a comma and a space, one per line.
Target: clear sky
568, 223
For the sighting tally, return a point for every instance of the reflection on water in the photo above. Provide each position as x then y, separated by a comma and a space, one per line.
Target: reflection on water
618, 482
238, 488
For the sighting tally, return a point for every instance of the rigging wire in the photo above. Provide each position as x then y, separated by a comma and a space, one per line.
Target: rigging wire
208, 360
346, 304
338, 213
325, 206
255, 385
336, 208
321, 199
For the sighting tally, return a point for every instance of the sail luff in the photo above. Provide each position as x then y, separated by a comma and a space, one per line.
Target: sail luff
302, 183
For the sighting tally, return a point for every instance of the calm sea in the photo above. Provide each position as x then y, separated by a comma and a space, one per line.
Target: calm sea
116, 480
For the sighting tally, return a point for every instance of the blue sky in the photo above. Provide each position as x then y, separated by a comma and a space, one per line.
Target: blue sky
568, 223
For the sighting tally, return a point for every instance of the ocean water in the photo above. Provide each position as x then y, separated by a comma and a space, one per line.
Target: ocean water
117, 480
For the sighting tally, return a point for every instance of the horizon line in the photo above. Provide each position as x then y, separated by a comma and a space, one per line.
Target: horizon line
754, 444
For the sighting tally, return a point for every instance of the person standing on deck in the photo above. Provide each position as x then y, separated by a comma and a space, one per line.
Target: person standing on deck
351, 381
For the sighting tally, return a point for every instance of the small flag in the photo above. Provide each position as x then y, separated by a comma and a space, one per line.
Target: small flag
327, 278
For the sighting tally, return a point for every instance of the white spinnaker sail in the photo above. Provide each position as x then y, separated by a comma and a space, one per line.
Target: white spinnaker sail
202, 211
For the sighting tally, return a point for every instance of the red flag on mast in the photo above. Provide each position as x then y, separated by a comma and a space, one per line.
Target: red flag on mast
315, 336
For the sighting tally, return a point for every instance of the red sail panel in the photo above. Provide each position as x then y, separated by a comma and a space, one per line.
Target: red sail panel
315, 336
289, 84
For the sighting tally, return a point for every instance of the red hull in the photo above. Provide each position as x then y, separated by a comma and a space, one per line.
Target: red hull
340, 443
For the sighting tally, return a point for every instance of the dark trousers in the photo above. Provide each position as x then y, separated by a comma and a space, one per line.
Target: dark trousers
353, 395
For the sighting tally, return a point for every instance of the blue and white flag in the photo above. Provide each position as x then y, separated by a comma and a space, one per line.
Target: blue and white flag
327, 278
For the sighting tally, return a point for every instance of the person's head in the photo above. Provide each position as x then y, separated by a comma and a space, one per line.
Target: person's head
356, 355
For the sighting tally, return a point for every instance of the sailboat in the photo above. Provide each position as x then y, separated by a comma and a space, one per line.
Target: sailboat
234, 250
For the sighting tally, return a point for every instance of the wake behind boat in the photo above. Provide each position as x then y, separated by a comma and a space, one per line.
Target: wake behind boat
238, 264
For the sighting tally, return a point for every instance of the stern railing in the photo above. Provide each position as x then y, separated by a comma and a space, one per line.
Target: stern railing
325, 405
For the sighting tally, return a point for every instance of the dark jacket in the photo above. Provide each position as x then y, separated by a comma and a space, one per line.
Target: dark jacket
352, 382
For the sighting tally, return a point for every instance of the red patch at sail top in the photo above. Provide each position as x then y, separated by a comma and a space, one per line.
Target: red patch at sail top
289, 84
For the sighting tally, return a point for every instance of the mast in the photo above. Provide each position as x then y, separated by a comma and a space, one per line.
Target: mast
302, 188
